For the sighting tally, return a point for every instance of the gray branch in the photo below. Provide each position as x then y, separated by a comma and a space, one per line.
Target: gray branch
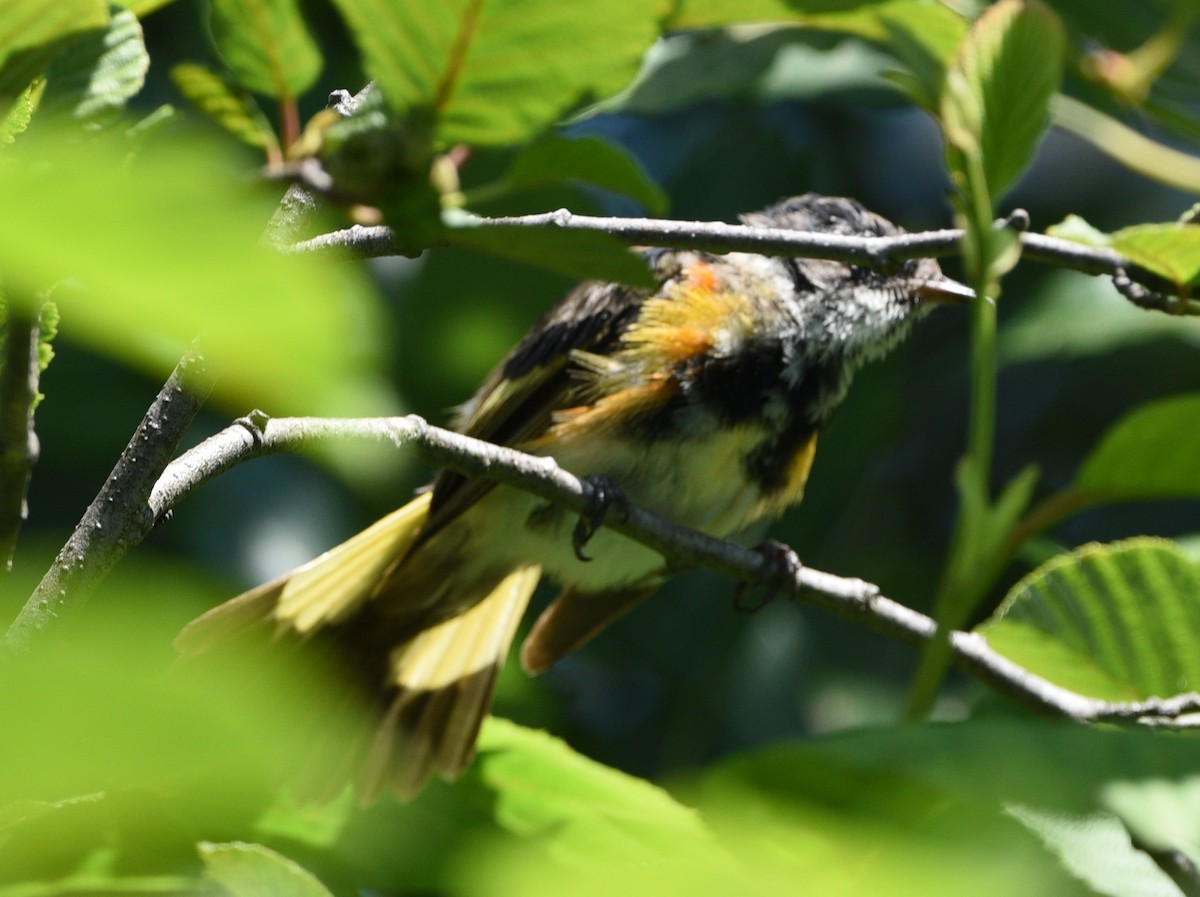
682, 548
360, 242
120, 516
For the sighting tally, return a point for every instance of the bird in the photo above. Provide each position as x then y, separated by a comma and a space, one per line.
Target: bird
700, 399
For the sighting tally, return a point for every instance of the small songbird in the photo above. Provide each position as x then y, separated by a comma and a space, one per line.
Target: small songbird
701, 400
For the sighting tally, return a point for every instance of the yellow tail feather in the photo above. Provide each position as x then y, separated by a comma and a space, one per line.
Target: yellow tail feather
361, 598
444, 678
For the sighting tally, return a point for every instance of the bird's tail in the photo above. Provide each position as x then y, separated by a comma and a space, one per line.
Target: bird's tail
432, 684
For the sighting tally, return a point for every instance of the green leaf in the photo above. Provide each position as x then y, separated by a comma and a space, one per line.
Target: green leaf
499, 71
1172, 250
906, 811
773, 64
1163, 815
166, 249
237, 114
251, 870
1150, 453
32, 32
1078, 230
143, 8
1117, 621
1095, 848
17, 119
984, 527
998, 95
97, 71
923, 37
25, 24
266, 44
577, 808
578, 254
553, 158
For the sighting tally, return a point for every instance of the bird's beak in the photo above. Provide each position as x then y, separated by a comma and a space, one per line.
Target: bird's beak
943, 289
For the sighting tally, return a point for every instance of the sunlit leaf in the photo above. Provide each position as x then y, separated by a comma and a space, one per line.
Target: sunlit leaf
30, 23
499, 71
1095, 847
251, 870
923, 38
1150, 453
998, 99
1172, 250
168, 249
583, 809
20, 113
1077, 229
1162, 814
98, 71
266, 44
143, 8
237, 114
1117, 622
32, 32
905, 811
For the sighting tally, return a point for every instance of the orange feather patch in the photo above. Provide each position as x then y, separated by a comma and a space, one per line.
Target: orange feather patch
608, 411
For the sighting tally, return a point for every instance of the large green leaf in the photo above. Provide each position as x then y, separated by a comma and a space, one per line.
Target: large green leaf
1172, 250
499, 71
251, 870
997, 103
786, 63
145, 257
97, 71
591, 160
577, 808
1162, 814
1150, 453
25, 24
1096, 848
908, 811
1118, 622
32, 32
266, 44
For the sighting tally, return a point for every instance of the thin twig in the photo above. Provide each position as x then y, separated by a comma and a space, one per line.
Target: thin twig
120, 516
877, 252
18, 441
681, 547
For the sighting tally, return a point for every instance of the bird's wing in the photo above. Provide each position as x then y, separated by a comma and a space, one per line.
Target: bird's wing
516, 403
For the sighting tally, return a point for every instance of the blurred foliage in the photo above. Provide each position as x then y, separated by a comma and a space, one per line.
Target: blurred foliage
125, 772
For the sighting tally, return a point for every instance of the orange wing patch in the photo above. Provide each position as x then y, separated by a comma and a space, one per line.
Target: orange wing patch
684, 322
607, 412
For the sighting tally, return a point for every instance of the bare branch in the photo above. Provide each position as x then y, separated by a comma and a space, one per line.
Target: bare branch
682, 548
876, 252
120, 516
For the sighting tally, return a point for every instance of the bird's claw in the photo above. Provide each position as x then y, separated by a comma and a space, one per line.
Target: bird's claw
784, 566
604, 495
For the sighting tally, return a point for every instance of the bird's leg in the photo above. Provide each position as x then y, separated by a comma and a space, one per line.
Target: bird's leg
604, 495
